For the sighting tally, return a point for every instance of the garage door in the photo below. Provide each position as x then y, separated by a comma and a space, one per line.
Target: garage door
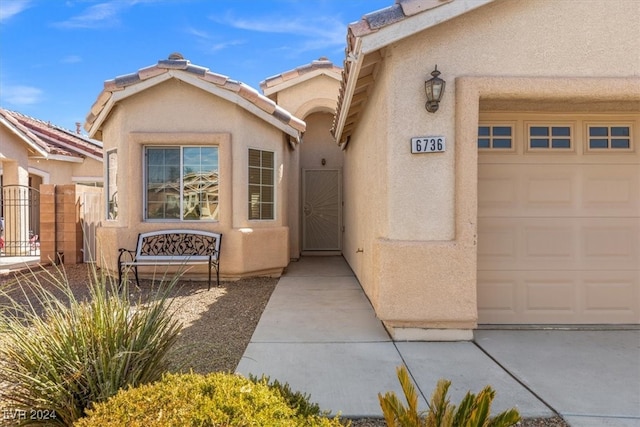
559, 220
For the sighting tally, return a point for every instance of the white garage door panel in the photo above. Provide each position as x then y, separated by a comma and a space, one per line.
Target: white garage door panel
507, 190
558, 244
558, 237
558, 297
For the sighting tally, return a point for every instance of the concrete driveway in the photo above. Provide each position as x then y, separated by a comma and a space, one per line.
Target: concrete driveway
320, 334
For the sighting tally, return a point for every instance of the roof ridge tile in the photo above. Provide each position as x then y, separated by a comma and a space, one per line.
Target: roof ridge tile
127, 79
215, 78
174, 64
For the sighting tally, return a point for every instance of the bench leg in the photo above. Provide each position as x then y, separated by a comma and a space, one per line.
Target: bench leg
119, 277
209, 287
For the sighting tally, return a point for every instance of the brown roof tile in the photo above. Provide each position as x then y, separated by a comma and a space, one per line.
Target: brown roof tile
319, 64
177, 62
52, 139
371, 23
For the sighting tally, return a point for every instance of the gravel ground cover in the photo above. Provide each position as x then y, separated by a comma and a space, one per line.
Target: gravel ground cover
218, 324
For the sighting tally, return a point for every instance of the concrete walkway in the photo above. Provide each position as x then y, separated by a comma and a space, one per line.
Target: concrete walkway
320, 334
13, 263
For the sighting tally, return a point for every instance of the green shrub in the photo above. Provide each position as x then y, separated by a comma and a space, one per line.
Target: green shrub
217, 399
473, 410
300, 402
62, 353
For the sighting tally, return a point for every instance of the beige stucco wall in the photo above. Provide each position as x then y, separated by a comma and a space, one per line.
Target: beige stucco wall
176, 113
422, 270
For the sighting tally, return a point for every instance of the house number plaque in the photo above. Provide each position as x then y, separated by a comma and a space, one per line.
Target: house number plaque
428, 144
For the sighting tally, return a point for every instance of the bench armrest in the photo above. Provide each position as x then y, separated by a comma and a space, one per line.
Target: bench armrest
131, 254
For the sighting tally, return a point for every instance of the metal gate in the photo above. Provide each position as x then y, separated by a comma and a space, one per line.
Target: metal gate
19, 221
91, 212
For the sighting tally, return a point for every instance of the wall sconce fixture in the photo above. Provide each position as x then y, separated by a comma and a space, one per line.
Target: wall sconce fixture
434, 88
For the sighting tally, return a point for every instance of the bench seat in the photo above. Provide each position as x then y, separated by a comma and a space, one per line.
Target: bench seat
172, 247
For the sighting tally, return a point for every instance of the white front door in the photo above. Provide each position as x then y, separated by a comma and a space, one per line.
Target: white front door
322, 210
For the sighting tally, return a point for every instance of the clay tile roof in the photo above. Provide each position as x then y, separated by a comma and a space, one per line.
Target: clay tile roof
374, 21
320, 65
48, 139
366, 37
176, 63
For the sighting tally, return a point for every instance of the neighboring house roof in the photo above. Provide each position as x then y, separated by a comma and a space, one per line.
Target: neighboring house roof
50, 141
374, 31
321, 66
179, 68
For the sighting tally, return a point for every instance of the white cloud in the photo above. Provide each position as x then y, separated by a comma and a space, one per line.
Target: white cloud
210, 43
10, 8
19, 95
101, 15
97, 16
313, 32
71, 59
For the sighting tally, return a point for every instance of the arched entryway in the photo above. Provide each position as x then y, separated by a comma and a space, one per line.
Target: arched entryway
321, 162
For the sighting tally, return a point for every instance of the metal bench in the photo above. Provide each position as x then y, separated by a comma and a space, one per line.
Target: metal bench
172, 247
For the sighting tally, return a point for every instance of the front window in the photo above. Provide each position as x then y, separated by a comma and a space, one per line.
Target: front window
112, 185
181, 183
261, 184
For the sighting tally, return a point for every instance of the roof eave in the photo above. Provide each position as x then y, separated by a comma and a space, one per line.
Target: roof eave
413, 24
242, 102
41, 151
197, 82
372, 41
352, 79
301, 79
122, 94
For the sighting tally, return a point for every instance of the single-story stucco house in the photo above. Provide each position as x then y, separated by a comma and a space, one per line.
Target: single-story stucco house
511, 198
189, 148
34, 152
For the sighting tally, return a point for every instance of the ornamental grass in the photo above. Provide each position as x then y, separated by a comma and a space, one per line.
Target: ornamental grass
62, 354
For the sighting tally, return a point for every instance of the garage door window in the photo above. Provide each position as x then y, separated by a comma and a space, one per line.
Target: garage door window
498, 137
603, 137
543, 137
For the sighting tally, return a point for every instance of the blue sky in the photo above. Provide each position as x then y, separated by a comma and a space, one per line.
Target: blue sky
56, 54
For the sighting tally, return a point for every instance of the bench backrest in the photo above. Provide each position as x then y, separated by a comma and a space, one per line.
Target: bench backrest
178, 244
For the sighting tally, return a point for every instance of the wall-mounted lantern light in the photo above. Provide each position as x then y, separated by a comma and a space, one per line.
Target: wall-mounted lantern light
434, 88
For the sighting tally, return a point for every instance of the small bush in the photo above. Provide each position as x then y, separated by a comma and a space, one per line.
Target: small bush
217, 399
61, 354
474, 411
300, 402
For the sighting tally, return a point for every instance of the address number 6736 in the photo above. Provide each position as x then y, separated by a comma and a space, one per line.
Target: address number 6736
428, 144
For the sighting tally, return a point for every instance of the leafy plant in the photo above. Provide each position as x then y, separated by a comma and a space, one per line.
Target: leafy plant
216, 399
300, 402
474, 410
61, 353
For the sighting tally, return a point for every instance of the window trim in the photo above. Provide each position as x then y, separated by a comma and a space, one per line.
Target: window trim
275, 186
608, 124
145, 211
550, 124
493, 124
